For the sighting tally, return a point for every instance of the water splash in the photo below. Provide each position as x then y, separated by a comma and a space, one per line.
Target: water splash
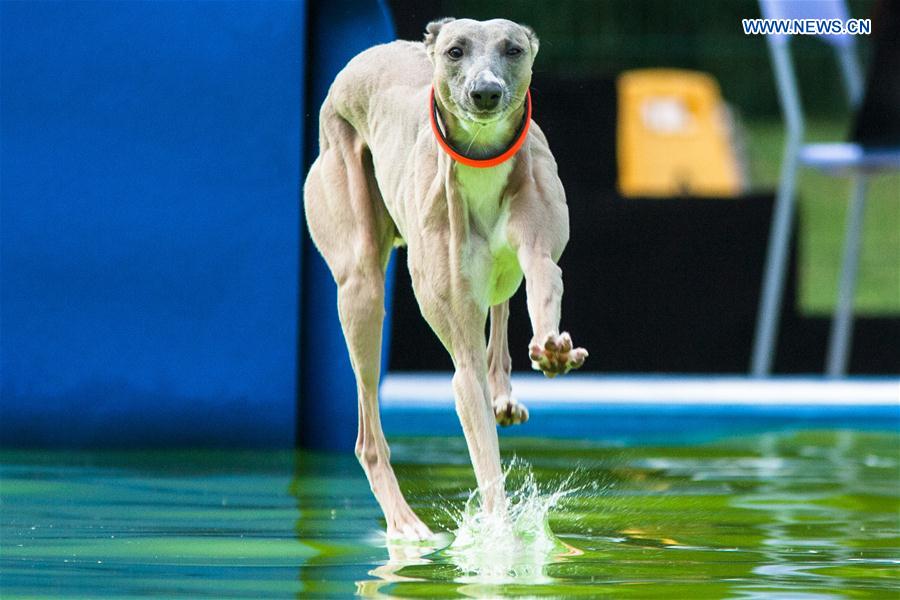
516, 546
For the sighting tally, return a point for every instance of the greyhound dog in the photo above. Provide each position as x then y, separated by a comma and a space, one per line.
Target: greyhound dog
431, 145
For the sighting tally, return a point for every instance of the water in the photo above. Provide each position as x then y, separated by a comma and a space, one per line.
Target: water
790, 515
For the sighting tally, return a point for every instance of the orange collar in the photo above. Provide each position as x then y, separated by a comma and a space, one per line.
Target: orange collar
481, 163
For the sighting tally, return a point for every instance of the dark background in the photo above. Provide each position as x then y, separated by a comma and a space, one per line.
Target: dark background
652, 285
156, 288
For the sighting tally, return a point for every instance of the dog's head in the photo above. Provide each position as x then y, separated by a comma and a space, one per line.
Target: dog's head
482, 69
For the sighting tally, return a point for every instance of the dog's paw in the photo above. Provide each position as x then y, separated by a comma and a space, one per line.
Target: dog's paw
404, 525
555, 355
508, 411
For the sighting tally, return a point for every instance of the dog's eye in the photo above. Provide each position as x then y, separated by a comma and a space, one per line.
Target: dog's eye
514, 51
455, 53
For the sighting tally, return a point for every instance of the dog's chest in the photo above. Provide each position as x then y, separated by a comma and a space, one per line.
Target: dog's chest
482, 190
491, 261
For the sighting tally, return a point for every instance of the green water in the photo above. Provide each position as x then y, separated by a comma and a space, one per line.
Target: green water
791, 515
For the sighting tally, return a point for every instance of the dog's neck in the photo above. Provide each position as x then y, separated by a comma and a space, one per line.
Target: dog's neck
480, 140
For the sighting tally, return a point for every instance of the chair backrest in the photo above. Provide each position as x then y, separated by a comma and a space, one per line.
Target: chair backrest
808, 9
844, 46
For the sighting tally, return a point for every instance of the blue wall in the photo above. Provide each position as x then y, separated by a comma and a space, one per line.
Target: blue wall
328, 402
150, 222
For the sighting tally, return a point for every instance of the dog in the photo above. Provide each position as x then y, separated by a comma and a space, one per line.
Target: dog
431, 144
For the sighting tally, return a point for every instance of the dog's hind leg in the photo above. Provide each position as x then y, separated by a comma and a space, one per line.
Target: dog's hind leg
507, 410
354, 233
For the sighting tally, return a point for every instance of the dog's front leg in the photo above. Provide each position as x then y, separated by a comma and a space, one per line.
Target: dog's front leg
550, 351
473, 406
443, 295
539, 230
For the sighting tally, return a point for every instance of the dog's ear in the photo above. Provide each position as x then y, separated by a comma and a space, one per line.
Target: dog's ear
431, 33
532, 39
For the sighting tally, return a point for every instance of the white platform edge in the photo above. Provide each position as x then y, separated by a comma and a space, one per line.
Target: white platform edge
417, 390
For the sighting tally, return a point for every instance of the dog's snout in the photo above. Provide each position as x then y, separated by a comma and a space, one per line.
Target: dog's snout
487, 95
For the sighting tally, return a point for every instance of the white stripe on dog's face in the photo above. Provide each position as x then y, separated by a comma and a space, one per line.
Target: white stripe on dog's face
487, 77
482, 69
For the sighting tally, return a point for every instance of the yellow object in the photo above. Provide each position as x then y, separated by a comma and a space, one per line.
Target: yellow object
673, 136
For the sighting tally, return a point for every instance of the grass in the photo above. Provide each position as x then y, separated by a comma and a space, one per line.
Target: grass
822, 211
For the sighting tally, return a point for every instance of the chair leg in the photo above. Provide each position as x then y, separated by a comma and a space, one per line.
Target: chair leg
773, 281
841, 339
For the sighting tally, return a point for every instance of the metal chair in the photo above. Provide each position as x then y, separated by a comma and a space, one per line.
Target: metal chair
845, 159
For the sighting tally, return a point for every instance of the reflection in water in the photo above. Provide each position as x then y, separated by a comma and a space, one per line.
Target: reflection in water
798, 515
791, 495
489, 549
810, 514
513, 547
400, 554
